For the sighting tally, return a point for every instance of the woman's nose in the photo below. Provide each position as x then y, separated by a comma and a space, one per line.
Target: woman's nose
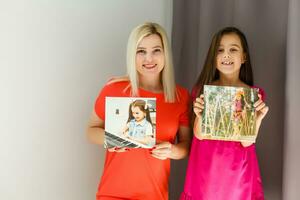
148, 57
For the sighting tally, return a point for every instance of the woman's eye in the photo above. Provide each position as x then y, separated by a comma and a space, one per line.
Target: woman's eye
157, 50
141, 52
220, 50
233, 50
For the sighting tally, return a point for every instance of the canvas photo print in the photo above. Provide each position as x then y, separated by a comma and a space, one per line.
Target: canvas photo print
229, 113
130, 122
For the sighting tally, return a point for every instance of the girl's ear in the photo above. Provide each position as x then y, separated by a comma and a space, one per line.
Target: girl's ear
244, 59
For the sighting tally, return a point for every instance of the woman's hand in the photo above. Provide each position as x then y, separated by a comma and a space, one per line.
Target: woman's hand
162, 150
118, 149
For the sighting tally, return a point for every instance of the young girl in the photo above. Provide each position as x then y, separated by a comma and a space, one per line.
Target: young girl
141, 173
139, 125
224, 170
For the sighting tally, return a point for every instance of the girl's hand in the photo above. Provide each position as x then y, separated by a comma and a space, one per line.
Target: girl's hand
125, 134
198, 109
118, 149
198, 105
261, 109
162, 150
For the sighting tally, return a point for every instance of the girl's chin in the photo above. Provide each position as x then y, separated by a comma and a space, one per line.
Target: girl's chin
227, 66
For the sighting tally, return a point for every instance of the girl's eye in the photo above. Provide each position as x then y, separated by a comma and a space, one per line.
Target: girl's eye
220, 50
233, 50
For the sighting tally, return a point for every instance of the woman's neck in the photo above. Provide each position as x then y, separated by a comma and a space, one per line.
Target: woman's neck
150, 84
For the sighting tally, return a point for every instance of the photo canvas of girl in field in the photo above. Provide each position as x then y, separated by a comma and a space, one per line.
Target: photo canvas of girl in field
229, 113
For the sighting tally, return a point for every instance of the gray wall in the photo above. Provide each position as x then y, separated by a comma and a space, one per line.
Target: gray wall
291, 174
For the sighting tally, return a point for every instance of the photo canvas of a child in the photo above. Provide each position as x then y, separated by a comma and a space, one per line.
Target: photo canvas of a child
130, 122
229, 113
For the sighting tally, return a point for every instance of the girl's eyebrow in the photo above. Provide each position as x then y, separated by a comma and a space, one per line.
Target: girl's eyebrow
235, 45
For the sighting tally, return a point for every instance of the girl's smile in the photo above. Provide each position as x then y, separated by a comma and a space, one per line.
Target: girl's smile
227, 63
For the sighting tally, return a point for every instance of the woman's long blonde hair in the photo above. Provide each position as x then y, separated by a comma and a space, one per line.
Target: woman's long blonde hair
167, 74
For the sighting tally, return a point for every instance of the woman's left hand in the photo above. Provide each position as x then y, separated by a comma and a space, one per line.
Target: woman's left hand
162, 150
261, 108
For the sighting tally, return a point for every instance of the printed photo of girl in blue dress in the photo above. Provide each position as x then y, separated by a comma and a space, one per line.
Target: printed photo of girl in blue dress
139, 126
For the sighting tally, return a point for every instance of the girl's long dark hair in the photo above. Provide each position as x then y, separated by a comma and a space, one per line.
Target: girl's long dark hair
209, 71
142, 106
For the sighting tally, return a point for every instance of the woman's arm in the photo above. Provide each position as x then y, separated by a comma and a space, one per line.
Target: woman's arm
180, 150
95, 130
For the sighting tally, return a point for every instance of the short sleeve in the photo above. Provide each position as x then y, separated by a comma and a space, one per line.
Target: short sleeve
100, 103
184, 119
194, 93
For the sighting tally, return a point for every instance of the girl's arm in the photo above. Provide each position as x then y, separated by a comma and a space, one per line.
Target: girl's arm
261, 111
180, 150
95, 132
125, 130
146, 140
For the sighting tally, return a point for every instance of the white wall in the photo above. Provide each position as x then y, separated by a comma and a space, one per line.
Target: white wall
54, 58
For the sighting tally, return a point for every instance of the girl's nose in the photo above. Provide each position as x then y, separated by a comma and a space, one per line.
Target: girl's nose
226, 55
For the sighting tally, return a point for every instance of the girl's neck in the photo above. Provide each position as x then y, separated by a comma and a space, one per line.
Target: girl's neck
139, 120
152, 84
229, 81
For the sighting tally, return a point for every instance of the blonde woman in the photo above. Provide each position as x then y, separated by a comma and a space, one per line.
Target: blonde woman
144, 173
